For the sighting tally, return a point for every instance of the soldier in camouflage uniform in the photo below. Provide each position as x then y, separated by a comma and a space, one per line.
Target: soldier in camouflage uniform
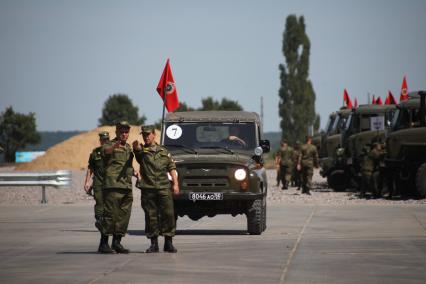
286, 163
370, 170
308, 159
117, 188
296, 173
156, 196
95, 173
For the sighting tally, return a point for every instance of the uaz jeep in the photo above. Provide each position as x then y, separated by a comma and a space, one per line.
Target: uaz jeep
218, 173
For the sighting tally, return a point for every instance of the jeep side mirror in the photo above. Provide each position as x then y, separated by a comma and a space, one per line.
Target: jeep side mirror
266, 146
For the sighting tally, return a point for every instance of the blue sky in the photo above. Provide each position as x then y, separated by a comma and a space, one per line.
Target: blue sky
62, 59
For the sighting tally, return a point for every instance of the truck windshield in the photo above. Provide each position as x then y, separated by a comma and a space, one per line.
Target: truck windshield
211, 135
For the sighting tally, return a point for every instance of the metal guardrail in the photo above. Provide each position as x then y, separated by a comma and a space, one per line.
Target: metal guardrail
56, 179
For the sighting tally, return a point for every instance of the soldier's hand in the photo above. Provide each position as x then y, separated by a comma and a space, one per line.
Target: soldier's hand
136, 145
175, 189
299, 167
137, 175
87, 188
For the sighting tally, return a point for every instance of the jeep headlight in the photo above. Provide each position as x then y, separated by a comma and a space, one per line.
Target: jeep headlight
240, 174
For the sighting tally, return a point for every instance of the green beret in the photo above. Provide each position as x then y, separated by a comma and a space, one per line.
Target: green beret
123, 124
103, 135
147, 129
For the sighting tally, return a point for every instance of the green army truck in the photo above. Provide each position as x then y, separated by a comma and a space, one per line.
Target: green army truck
218, 173
330, 143
362, 126
365, 125
405, 161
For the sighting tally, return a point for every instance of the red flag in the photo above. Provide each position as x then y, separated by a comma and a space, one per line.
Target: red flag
404, 91
379, 101
374, 100
347, 99
356, 103
390, 100
167, 90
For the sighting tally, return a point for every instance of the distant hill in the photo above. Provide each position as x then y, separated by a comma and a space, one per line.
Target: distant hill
50, 138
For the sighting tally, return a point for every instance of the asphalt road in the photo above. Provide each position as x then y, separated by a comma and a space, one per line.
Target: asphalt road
302, 244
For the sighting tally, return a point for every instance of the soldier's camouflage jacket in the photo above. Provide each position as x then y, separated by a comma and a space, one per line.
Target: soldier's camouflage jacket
96, 164
155, 162
118, 165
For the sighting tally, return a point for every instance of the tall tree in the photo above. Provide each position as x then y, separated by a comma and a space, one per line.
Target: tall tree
297, 96
183, 107
120, 107
16, 131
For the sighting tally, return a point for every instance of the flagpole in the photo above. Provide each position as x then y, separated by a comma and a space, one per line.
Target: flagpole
164, 113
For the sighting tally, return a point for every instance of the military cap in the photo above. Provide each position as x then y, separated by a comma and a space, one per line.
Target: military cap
147, 129
123, 124
103, 135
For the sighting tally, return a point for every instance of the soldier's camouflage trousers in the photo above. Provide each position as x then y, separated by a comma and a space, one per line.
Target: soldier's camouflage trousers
159, 212
99, 201
285, 172
117, 209
370, 183
307, 173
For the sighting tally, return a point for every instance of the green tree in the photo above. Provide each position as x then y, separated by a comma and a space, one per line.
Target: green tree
183, 107
297, 96
120, 107
16, 131
210, 104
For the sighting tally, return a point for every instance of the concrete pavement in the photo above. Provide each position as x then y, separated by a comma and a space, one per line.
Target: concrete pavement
302, 244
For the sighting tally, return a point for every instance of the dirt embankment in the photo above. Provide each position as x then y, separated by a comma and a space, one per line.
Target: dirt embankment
73, 154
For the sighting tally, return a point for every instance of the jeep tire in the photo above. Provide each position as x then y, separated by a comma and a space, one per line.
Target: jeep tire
255, 222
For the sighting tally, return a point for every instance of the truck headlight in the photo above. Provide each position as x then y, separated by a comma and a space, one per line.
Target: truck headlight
240, 174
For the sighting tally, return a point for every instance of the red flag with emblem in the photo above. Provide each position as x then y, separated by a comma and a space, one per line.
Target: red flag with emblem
404, 90
390, 100
374, 100
167, 90
379, 101
347, 99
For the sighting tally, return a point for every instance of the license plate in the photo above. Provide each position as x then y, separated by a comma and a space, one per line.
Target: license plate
205, 196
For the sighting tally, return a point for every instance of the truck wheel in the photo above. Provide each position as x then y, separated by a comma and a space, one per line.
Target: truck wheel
255, 218
337, 180
421, 181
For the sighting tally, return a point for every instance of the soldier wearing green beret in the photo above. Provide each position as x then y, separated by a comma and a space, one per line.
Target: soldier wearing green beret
156, 196
94, 180
308, 159
117, 156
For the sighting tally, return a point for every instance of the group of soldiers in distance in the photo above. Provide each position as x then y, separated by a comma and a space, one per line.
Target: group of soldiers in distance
295, 166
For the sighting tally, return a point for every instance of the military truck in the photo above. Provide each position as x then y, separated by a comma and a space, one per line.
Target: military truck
331, 142
363, 125
406, 146
218, 173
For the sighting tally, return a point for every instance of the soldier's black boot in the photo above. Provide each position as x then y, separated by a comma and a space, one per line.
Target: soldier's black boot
116, 245
98, 222
104, 246
154, 246
168, 245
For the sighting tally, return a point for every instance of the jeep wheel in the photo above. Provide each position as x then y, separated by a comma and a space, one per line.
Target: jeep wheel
421, 181
255, 218
264, 215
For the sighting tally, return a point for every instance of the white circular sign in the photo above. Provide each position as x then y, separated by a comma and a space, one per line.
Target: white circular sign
174, 131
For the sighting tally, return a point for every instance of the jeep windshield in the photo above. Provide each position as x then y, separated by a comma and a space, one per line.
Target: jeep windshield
211, 135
